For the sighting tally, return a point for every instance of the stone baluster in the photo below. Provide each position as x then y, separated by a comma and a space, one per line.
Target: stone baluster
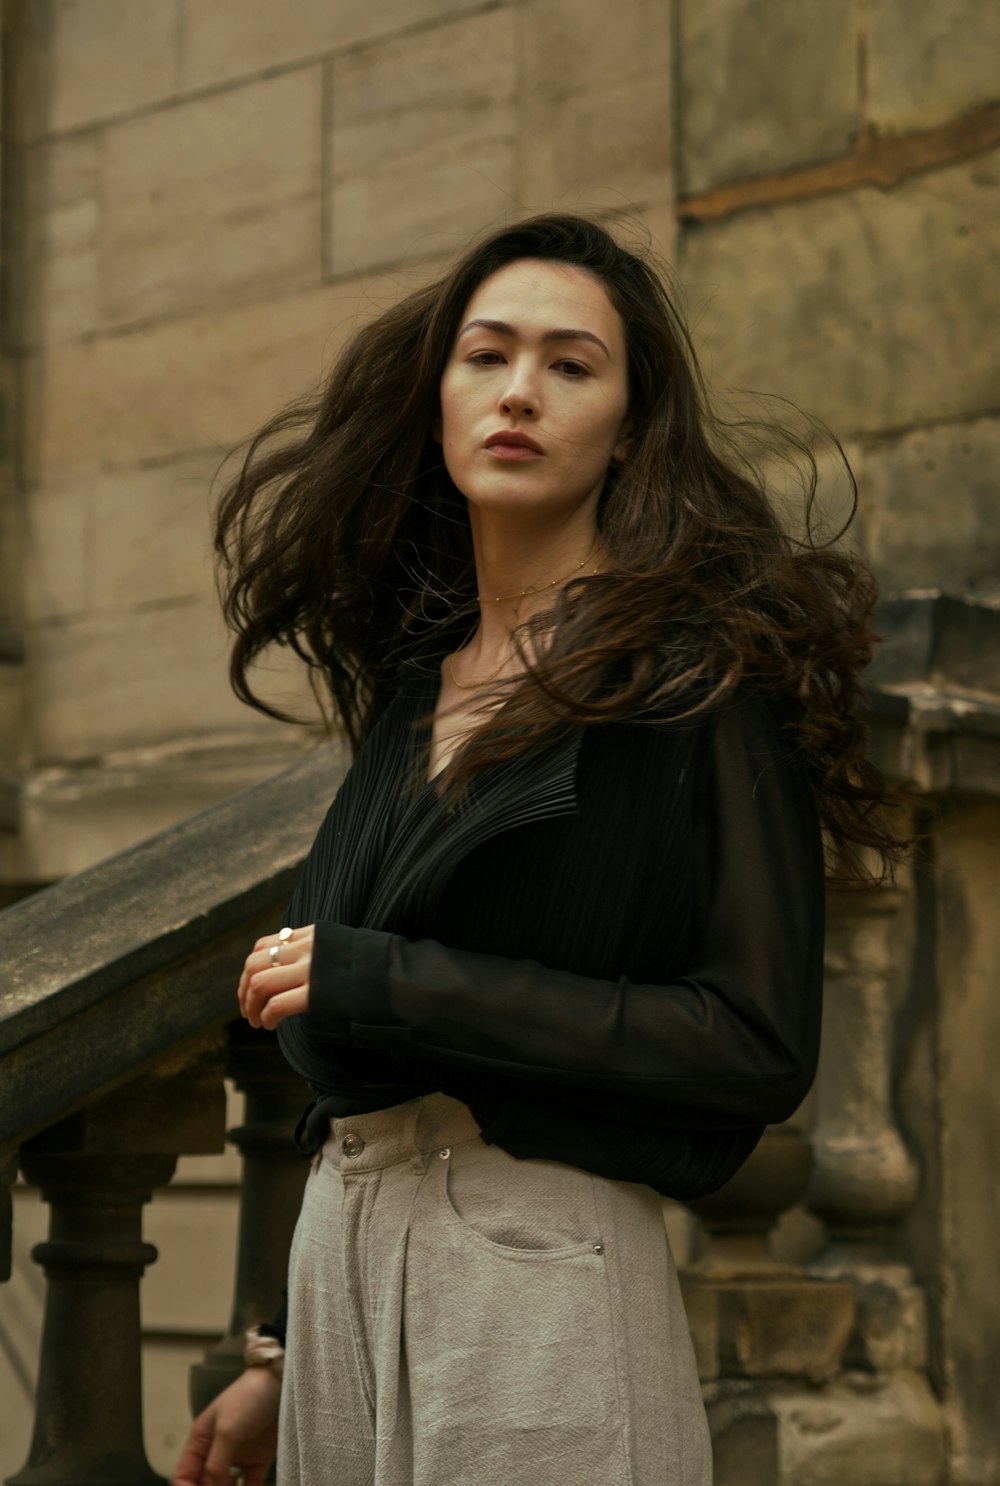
752, 1316
865, 1179
274, 1174
88, 1408
864, 1184
96, 1169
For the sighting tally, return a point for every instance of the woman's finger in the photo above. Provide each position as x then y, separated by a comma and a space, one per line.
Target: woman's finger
288, 1003
267, 983
192, 1462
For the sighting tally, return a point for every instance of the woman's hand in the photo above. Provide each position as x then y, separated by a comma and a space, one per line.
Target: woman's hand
239, 1429
273, 987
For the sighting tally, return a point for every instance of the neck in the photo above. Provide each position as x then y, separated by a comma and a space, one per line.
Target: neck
519, 571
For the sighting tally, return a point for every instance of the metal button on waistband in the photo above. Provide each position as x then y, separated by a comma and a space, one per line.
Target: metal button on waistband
352, 1145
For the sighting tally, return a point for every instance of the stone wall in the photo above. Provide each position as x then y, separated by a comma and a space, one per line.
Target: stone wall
840, 243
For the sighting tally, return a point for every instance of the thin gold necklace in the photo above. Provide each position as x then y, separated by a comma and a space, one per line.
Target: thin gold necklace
498, 598
474, 685
523, 593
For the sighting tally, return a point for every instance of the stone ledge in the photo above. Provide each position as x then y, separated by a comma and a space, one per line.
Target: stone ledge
938, 639
934, 694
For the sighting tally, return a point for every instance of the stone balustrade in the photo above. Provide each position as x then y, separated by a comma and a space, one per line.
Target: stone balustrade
116, 1034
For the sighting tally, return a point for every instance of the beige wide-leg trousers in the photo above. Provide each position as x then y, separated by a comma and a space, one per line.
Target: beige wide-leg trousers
462, 1318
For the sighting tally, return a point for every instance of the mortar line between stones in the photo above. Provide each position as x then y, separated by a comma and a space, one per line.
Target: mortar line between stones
870, 437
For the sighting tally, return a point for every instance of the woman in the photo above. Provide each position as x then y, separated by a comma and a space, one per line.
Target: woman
558, 945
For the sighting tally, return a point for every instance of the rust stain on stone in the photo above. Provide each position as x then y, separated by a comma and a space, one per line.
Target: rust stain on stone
873, 161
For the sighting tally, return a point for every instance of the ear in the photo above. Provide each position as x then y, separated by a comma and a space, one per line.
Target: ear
623, 448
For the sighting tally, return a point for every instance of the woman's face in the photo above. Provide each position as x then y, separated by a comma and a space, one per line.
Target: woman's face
534, 397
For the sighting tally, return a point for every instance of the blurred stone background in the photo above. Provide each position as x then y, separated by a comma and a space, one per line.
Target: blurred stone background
202, 198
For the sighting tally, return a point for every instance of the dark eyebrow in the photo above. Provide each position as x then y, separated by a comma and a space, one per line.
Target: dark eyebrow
500, 327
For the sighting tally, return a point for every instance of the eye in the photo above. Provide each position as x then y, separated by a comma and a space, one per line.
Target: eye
485, 358
573, 369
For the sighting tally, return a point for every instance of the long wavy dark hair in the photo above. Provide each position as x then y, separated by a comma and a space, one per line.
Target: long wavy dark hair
344, 537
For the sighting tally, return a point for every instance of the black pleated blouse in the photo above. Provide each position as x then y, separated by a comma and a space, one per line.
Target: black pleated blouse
611, 950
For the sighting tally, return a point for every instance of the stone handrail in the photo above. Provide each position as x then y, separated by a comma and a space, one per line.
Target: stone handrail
120, 963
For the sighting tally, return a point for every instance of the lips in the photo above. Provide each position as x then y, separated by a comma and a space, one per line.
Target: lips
510, 445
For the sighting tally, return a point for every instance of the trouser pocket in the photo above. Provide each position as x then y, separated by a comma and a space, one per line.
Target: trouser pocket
507, 1309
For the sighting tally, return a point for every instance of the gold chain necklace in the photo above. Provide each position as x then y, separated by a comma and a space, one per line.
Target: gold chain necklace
523, 593
474, 685
498, 598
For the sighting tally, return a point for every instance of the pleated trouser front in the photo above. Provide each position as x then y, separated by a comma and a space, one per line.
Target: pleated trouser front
462, 1318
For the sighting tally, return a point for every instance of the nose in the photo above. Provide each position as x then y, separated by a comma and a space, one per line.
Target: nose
519, 398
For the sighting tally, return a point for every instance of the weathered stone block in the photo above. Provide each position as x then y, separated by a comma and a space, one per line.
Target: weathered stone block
595, 130
150, 535
233, 38
882, 1432
217, 196
864, 308
119, 539
855, 1432
768, 1328
763, 87
927, 61
422, 141
891, 1328
56, 526
200, 383
92, 59
61, 223
128, 679
929, 508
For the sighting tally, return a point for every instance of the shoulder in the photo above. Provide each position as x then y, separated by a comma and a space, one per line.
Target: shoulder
758, 723
755, 717
746, 745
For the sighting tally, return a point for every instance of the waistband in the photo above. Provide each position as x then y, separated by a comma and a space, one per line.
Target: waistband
385, 1137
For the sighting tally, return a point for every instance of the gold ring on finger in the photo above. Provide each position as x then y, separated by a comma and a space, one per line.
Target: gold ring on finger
274, 954
285, 934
